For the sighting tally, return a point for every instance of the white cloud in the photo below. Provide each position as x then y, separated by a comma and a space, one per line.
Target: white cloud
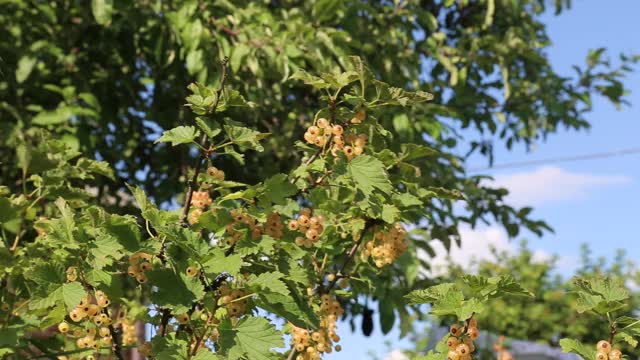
396, 355
476, 245
550, 183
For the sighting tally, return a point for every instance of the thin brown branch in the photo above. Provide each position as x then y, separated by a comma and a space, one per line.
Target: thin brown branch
351, 254
116, 346
204, 143
166, 316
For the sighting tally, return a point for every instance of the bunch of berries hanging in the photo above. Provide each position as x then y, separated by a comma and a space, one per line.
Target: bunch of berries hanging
308, 225
96, 322
199, 200
128, 332
503, 353
311, 345
234, 300
386, 247
333, 135
139, 264
460, 343
606, 352
215, 173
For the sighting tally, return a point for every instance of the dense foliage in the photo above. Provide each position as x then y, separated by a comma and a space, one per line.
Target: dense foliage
294, 164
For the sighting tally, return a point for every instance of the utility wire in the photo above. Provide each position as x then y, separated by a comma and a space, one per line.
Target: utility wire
601, 155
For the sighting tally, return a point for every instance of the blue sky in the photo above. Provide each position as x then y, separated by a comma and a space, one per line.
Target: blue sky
596, 201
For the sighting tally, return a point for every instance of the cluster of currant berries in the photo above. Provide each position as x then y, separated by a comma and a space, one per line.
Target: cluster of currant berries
311, 345
386, 247
128, 332
199, 200
606, 352
139, 263
90, 309
215, 173
460, 344
272, 227
234, 300
72, 273
503, 353
308, 225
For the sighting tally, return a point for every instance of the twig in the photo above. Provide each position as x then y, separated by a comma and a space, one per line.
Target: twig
166, 316
204, 143
351, 254
340, 274
116, 348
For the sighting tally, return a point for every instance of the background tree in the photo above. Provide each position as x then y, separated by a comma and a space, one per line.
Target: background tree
551, 314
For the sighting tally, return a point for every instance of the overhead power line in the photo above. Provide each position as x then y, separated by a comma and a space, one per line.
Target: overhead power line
600, 155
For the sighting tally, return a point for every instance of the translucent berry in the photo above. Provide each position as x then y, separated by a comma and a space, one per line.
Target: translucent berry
323, 123
473, 333
455, 330
463, 349
182, 318
601, 355
192, 271
615, 354
603, 346
452, 343
63, 327
453, 355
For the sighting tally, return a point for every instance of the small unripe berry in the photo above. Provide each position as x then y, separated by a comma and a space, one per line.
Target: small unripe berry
293, 225
323, 123
63, 327
452, 343
192, 271
455, 329
462, 349
603, 346
453, 355
473, 323
104, 331
141, 277
182, 318
331, 277
615, 354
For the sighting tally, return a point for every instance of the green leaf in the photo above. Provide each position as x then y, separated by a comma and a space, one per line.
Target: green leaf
430, 294
219, 263
244, 137
206, 354
72, 293
369, 173
105, 249
102, 10
315, 81
172, 291
278, 188
269, 282
25, 66
574, 346
387, 316
179, 135
390, 213
96, 167
290, 307
211, 128
252, 337
55, 117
